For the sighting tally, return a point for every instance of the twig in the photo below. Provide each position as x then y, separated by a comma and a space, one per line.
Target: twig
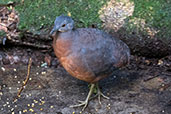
150, 78
24, 43
26, 80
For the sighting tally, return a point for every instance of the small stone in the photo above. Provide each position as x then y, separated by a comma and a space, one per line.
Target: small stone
31, 110
43, 73
25, 110
32, 105
3, 69
1, 93
43, 102
35, 101
4, 85
20, 112
41, 109
12, 109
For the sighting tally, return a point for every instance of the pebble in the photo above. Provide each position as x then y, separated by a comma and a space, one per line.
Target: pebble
12, 109
35, 101
20, 112
43, 72
31, 110
32, 105
44, 65
1, 93
3, 69
4, 85
41, 109
25, 110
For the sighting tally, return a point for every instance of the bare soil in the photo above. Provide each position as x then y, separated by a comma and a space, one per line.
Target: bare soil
143, 87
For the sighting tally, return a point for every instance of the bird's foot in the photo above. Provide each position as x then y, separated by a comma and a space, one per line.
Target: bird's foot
99, 94
82, 103
85, 103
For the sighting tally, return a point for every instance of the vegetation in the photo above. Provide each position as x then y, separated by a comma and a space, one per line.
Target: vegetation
38, 14
155, 13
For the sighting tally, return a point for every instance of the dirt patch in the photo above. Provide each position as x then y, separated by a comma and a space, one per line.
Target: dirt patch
143, 87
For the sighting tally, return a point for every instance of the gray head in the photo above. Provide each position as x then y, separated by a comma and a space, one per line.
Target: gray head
63, 24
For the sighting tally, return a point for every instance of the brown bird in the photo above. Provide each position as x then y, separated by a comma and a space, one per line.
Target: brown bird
88, 54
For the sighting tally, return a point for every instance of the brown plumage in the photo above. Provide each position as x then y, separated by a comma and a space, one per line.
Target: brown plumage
88, 54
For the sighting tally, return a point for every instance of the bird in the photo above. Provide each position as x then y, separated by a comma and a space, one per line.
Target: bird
88, 54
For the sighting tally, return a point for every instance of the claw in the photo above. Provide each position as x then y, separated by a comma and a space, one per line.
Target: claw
85, 103
99, 94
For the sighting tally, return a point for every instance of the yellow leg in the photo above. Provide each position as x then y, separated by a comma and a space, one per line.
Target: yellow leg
85, 103
99, 93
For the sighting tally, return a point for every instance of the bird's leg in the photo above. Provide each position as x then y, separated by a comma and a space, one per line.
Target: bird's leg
85, 103
99, 93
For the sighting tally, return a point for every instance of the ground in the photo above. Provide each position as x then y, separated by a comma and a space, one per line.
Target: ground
143, 87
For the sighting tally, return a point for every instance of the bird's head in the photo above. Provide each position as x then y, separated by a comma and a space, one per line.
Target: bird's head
62, 24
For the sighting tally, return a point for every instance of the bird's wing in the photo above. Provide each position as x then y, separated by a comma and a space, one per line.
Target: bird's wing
96, 50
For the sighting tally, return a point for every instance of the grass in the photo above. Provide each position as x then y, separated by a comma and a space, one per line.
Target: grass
156, 14
38, 14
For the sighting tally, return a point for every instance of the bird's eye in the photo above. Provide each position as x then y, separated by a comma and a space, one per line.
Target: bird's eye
63, 25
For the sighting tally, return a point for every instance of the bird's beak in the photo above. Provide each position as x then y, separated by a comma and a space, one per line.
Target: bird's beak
53, 31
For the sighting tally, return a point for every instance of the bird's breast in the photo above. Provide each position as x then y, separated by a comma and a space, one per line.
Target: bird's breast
62, 47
